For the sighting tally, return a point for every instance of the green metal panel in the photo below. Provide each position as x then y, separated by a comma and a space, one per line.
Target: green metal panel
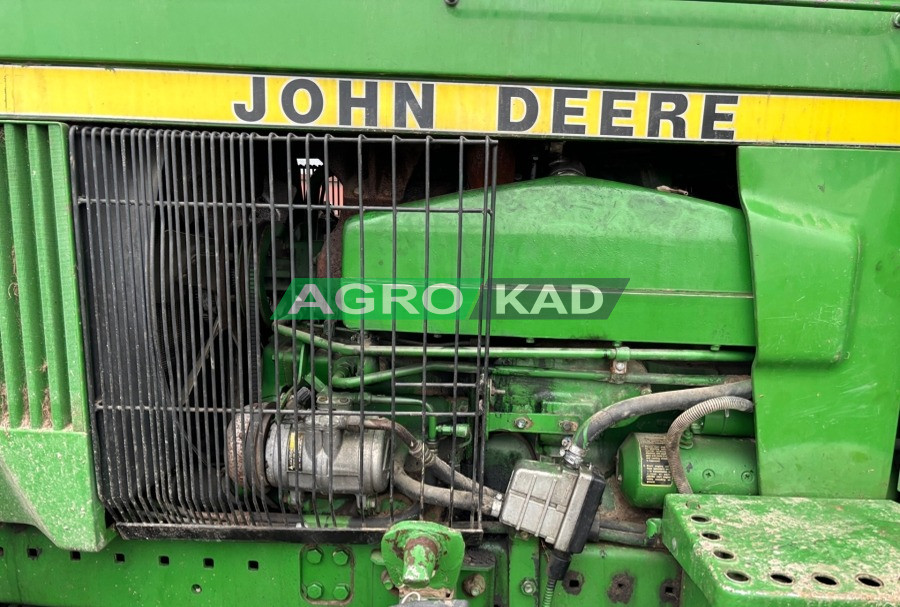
46, 471
825, 239
748, 551
686, 259
660, 42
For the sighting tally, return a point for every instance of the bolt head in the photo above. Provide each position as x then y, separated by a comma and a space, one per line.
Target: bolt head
340, 557
521, 423
342, 592
528, 587
386, 580
620, 365
896, 20
474, 585
314, 591
314, 556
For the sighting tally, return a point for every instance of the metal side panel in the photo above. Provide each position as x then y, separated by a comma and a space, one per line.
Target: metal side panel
744, 551
824, 244
46, 471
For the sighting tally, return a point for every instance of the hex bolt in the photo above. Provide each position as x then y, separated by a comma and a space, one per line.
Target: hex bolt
567, 425
386, 580
342, 592
620, 366
314, 556
340, 557
314, 591
521, 423
528, 587
474, 585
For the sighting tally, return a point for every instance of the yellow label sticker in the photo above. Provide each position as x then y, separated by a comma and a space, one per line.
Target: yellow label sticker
334, 103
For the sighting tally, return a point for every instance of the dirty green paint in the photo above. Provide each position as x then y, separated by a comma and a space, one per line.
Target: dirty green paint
176, 572
713, 464
660, 43
604, 566
46, 469
792, 539
420, 554
701, 279
825, 237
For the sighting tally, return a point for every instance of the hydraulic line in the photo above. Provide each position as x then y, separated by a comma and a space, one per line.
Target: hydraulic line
684, 421
441, 469
466, 500
658, 402
680, 355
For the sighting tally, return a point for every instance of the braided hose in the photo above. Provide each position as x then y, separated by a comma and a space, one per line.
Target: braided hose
684, 421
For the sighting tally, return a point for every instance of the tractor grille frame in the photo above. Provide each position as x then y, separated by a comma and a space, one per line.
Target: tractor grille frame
176, 261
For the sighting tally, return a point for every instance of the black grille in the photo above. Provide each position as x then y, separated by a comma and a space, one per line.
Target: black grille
188, 240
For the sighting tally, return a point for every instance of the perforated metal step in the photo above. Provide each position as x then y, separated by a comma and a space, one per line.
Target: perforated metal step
785, 551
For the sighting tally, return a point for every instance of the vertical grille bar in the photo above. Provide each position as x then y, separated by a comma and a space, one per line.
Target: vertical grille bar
210, 411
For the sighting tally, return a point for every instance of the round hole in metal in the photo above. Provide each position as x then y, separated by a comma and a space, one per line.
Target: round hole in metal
737, 576
699, 518
725, 555
782, 578
711, 535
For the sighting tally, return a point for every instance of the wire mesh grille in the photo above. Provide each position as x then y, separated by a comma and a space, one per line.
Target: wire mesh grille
210, 411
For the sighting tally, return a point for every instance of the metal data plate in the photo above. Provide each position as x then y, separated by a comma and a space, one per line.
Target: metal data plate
786, 551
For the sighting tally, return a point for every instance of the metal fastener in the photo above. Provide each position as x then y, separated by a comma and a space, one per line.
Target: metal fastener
342, 592
896, 20
340, 557
528, 587
474, 585
314, 556
386, 580
314, 591
521, 423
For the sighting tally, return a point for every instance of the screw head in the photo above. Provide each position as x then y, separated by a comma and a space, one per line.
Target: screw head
342, 592
340, 557
708, 473
314, 591
528, 587
474, 585
386, 580
747, 476
314, 556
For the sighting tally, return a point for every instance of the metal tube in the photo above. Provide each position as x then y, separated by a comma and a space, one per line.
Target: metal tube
683, 355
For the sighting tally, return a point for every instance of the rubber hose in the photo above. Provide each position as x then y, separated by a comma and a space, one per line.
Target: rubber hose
439, 496
684, 421
442, 469
445, 472
385, 424
658, 402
